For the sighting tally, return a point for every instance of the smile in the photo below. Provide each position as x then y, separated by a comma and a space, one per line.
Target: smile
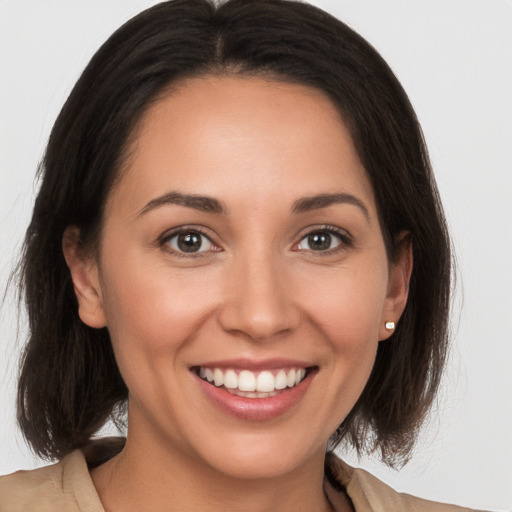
249, 384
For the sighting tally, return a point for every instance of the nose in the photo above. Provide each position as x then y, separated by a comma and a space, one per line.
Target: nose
259, 301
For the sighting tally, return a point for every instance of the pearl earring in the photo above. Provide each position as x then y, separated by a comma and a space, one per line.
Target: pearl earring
390, 326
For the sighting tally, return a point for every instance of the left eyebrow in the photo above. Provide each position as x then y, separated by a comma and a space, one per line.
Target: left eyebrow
306, 204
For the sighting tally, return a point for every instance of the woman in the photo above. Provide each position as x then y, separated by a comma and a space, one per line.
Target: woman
239, 234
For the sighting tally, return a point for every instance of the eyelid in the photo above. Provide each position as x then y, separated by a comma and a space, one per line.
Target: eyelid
164, 239
345, 237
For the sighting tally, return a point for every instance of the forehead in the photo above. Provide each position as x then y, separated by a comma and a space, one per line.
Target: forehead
223, 136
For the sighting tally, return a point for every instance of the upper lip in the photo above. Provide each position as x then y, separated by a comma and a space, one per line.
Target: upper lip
255, 365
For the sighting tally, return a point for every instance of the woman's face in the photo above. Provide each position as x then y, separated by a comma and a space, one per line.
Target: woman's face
242, 244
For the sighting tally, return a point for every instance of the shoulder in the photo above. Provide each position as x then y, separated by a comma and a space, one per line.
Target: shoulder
65, 486
370, 494
23, 489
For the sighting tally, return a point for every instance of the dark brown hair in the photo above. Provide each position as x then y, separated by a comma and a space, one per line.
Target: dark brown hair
70, 384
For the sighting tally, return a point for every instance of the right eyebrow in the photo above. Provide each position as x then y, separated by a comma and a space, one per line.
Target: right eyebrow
197, 202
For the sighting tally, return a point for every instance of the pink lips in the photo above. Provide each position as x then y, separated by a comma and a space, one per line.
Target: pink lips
256, 409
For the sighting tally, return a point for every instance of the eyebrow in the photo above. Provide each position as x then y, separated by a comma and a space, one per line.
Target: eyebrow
212, 205
202, 203
306, 204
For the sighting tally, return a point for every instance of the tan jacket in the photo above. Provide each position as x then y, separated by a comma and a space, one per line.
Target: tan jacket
67, 487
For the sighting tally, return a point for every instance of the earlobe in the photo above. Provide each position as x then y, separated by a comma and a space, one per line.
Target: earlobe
398, 285
85, 277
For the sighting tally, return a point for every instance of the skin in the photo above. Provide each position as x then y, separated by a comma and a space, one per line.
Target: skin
258, 291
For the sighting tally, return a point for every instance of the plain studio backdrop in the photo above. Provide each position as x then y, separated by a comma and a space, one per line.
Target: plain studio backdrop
454, 58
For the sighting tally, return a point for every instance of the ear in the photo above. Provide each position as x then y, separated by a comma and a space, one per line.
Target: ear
85, 276
398, 284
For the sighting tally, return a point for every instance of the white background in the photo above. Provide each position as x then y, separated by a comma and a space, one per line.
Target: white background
454, 58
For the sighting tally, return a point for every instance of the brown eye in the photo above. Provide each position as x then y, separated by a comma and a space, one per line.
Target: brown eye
320, 241
190, 242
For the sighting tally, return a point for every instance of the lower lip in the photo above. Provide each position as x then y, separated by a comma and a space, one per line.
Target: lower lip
256, 409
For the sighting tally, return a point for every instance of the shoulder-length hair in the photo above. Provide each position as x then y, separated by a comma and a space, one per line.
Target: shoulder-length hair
69, 384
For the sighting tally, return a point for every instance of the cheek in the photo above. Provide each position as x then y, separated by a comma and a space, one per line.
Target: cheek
151, 309
348, 305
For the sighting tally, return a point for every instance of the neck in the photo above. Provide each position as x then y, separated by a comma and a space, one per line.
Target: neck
156, 479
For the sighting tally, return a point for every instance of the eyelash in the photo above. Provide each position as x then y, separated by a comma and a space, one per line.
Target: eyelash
167, 237
344, 237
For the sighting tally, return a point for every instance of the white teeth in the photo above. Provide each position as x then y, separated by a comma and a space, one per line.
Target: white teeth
290, 378
280, 380
265, 382
218, 377
231, 379
246, 381
253, 394
253, 385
